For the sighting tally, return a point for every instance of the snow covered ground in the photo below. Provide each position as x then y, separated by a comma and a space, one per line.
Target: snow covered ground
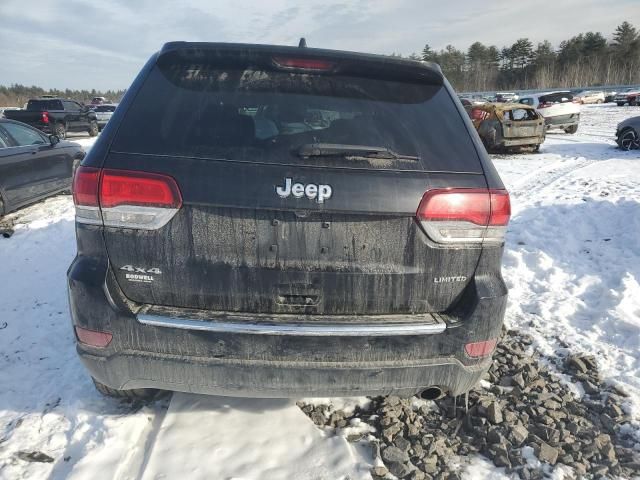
572, 264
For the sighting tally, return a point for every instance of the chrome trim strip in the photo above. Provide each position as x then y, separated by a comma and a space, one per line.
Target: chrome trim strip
294, 329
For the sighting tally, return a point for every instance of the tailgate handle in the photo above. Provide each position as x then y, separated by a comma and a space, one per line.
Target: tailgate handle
300, 300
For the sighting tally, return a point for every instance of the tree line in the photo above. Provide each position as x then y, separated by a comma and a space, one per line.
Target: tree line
17, 95
585, 59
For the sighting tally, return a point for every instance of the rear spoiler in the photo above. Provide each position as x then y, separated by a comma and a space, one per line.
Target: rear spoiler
345, 63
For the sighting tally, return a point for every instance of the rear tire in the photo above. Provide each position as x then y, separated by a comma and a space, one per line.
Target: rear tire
61, 131
93, 128
572, 129
620, 104
134, 394
633, 102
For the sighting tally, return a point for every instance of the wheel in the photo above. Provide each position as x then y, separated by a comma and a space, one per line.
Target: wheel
135, 394
572, 129
628, 140
620, 104
599, 101
536, 148
93, 128
61, 131
633, 102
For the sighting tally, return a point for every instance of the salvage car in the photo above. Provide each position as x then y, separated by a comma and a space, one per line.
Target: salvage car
33, 166
630, 96
287, 222
104, 113
505, 126
505, 97
589, 96
559, 109
628, 134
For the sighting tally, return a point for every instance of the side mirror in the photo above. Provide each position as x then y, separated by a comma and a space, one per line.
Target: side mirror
54, 140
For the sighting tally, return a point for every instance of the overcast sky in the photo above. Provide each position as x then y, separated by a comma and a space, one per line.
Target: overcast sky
102, 44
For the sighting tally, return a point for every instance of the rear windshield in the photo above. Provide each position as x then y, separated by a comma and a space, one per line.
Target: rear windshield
269, 116
105, 108
561, 97
42, 105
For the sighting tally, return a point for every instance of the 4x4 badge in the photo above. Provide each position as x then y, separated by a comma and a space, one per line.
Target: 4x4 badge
319, 193
140, 274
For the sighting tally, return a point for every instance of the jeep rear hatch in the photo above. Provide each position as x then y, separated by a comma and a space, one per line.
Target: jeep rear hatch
289, 182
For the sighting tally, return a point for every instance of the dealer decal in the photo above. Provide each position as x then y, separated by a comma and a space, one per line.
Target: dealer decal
140, 274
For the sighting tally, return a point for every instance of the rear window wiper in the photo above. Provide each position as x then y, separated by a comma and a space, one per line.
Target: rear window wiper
350, 151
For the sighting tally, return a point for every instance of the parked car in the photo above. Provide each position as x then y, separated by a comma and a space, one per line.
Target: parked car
628, 134
471, 100
630, 96
56, 116
104, 113
506, 97
610, 97
33, 165
226, 246
505, 126
589, 96
558, 109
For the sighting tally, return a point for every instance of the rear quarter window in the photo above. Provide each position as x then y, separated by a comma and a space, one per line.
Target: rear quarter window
42, 105
266, 116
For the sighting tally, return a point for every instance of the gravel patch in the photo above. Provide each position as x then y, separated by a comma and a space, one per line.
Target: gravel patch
524, 417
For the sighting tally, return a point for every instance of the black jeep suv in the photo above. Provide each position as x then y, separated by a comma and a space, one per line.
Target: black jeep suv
287, 222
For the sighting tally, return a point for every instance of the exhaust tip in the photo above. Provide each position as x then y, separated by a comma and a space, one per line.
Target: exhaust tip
431, 393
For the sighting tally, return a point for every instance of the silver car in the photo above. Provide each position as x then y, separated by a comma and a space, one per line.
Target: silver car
104, 113
628, 134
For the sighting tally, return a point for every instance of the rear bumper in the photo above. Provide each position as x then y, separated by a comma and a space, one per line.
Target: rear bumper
562, 121
224, 361
262, 378
45, 128
514, 142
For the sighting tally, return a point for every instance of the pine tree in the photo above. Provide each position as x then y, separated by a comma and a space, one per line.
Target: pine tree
429, 55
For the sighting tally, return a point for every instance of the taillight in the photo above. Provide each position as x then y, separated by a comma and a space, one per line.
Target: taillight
123, 198
45, 117
478, 114
304, 63
124, 187
85, 195
464, 215
480, 349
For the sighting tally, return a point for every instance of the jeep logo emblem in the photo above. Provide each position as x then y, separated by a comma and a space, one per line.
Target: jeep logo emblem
319, 193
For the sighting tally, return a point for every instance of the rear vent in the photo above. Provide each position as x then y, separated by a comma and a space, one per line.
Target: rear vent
463, 215
124, 198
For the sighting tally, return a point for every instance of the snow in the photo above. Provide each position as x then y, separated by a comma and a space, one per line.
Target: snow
247, 439
572, 264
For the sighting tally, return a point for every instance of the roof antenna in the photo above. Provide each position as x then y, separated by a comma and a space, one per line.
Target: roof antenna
302, 43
